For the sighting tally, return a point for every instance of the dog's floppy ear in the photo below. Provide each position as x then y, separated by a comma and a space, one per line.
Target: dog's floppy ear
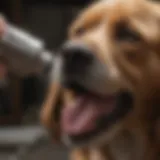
50, 113
149, 24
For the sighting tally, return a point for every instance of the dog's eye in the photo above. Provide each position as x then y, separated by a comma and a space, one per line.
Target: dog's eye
79, 31
124, 33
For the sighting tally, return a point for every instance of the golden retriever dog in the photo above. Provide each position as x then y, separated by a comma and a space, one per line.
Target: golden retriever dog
104, 102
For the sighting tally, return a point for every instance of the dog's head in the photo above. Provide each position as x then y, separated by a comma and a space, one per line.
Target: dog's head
111, 56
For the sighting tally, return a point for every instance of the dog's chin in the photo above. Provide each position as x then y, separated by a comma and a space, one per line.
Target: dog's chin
90, 116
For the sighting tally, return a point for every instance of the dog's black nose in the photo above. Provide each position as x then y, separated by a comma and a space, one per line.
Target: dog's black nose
76, 58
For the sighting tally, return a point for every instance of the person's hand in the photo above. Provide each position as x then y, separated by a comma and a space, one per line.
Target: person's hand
3, 68
2, 25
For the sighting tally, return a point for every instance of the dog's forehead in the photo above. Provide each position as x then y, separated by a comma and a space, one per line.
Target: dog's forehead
109, 9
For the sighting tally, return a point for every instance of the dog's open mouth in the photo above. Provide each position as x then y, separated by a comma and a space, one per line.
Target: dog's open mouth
90, 113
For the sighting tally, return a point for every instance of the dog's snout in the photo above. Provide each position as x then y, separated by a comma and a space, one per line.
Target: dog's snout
76, 57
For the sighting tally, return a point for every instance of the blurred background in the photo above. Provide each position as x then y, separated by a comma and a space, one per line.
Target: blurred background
21, 136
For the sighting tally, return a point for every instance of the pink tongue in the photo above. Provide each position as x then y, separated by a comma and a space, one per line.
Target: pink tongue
80, 116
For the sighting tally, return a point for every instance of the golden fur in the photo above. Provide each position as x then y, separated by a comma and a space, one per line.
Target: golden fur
135, 66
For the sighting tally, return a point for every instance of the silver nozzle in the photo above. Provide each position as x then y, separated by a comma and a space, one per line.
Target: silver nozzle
24, 52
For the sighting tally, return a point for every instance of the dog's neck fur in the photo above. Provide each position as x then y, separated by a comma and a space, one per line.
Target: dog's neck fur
125, 147
128, 145
138, 140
